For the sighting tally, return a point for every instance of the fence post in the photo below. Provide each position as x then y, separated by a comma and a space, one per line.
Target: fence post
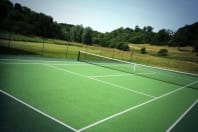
113, 52
100, 50
122, 54
66, 51
9, 40
168, 62
131, 56
42, 48
78, 58
87, 46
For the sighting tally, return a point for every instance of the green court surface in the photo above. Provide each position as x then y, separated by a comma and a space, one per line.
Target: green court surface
43, 94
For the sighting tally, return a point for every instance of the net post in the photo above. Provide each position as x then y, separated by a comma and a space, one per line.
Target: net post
9, 40
78, 56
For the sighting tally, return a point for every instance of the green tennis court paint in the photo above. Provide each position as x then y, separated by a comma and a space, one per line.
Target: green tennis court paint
80, 94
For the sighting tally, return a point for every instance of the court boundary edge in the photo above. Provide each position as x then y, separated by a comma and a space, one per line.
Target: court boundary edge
134, 107
37, 110
182, 116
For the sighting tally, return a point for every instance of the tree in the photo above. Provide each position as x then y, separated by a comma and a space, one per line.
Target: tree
148, 29
22, 20
148, 34
162, 37
44, 25
180, 38
137, 29
5, 9
66, 31
124, 46
76, 33
187, 35
87, 35
18, 7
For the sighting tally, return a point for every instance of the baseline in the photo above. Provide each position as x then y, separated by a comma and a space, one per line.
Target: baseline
118, 75
142, 73
34, 63
37, 61
30, 60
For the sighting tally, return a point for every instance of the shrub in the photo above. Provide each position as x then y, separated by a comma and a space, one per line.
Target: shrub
125, 47
120, 45
163, 52
143, 50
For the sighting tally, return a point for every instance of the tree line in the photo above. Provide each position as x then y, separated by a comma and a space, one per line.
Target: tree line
22, 20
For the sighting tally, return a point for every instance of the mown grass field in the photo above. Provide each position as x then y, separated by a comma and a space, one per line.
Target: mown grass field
181, 60
181, 53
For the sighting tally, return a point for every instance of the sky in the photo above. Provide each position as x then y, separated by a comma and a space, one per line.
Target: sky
108, 15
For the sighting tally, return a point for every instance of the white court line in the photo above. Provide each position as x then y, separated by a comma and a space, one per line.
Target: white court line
134, 107
118, 75
112, 75
75, 64
19, 63
181, 117
146, 73
39, 61
39, 111
108, 83
32, 63
112, 64
121, 87
31, 60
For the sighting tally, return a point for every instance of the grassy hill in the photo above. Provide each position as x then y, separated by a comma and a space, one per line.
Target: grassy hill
181, 60
182, 53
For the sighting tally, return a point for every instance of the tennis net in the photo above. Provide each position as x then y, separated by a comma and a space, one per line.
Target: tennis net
168, 76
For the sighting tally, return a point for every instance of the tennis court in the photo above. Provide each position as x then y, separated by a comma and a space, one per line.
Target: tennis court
43, 94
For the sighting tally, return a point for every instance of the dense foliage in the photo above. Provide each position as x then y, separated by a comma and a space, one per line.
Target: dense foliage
143, 50
187, 35
22, 20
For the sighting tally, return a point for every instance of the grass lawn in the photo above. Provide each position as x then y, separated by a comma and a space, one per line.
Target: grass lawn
184, 60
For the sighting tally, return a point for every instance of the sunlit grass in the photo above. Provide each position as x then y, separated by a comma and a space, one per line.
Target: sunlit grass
182, 53
176, 59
